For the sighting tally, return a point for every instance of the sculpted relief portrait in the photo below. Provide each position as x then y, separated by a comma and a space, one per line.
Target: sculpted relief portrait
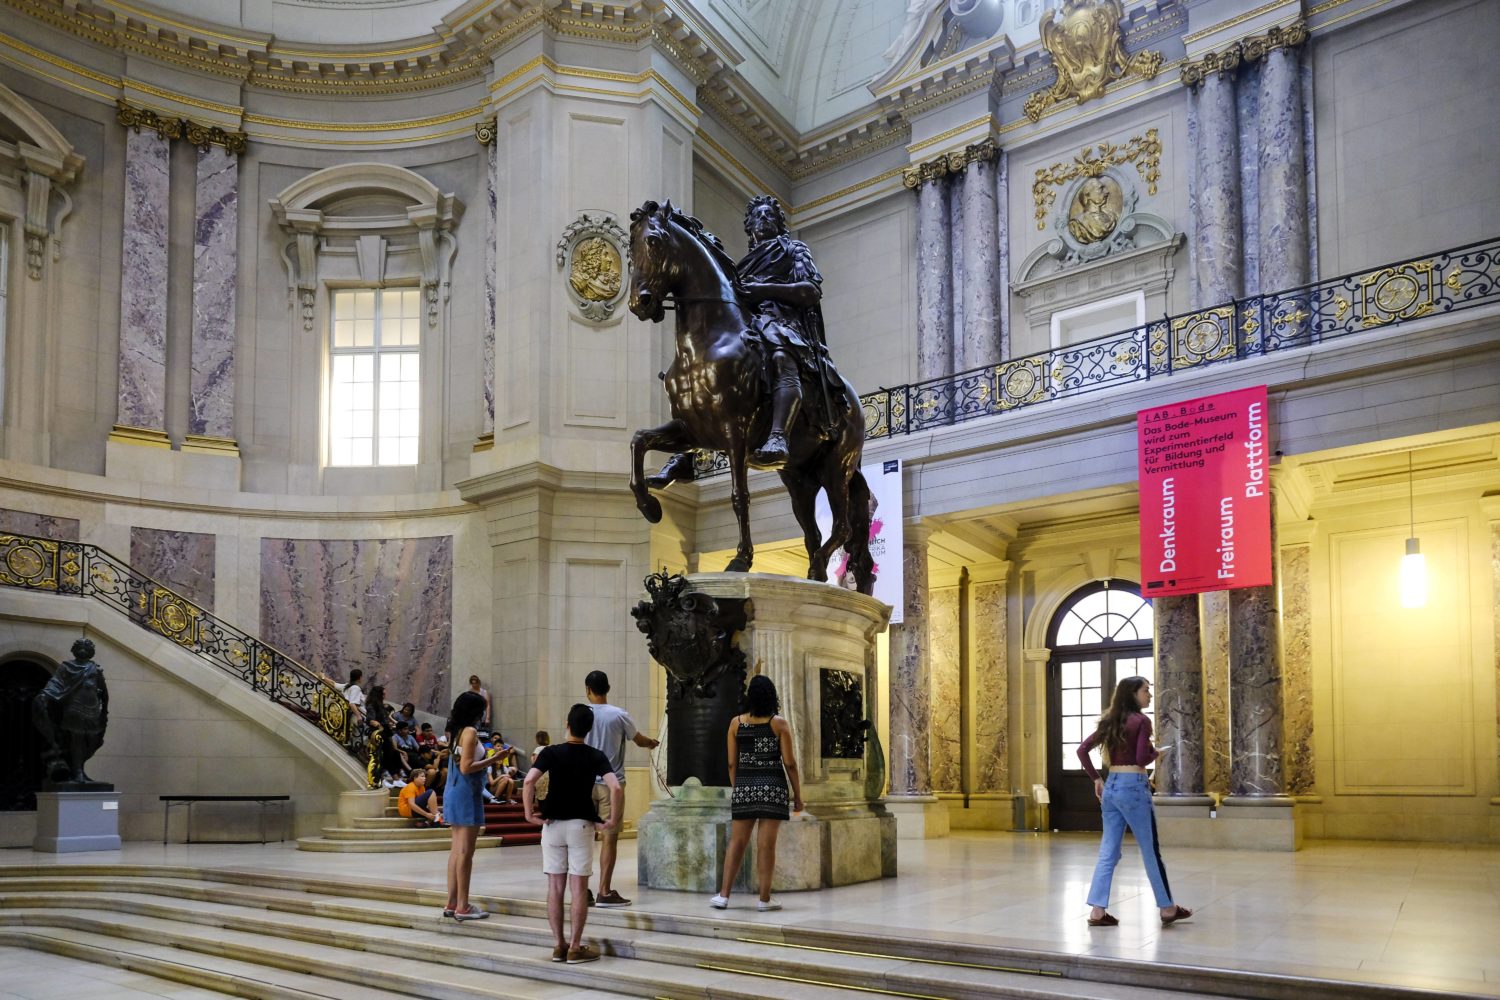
1096, 209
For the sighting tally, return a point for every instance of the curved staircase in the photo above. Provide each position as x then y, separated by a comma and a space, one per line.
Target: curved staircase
265, 934
504, 826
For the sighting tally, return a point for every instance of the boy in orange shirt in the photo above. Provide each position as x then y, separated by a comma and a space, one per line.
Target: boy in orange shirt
416, 799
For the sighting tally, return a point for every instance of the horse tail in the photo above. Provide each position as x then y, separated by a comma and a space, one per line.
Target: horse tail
861, 563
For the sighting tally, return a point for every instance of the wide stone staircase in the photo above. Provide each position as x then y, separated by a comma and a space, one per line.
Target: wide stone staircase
504, 825
261, 934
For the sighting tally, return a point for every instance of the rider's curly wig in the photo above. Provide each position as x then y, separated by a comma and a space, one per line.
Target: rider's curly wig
765, 199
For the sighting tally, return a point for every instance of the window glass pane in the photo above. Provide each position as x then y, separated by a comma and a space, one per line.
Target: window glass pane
343, 333
1068, 631
364, 333
1091, 674
1091, 702
1072, 731
364, 305
1072, 702
1070, 674
411, 301
1070, 758
411, 332
364, 367
390, 303
1094, 604
1146, 667
361, 452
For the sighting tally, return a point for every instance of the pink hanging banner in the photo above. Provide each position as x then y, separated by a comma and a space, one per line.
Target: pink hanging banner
1205, 486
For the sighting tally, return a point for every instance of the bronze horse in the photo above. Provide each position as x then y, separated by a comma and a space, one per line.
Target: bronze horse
720, 395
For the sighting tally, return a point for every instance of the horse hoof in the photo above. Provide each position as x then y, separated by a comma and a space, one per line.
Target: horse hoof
650, 508
817, 573
738, 565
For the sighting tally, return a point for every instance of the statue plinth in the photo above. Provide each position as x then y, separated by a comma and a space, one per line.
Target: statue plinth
70, 821
817, 643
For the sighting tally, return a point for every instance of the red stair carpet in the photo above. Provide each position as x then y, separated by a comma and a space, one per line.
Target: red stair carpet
509, 823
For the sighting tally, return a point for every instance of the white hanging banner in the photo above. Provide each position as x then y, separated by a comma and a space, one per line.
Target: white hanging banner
884, 479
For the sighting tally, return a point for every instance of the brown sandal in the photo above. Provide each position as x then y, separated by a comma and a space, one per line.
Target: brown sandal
1104, 921
1180, 913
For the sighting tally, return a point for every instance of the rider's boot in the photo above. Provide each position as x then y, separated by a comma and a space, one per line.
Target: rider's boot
677, 469
786, 397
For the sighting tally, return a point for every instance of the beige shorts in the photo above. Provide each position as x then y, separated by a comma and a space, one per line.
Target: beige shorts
601, 806
568, 847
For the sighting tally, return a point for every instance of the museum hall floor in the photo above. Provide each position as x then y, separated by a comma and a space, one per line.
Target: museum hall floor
970, 915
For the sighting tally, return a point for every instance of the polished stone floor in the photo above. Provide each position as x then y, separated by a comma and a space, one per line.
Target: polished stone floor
1425, 915
34, 975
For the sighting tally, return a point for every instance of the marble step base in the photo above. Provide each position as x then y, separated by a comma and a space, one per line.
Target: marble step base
341, 932
440, 840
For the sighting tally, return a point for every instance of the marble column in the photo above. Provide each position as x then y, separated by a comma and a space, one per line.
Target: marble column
934, 283
491, 234
1213, 623
911, 674
1216, 237
1002, 250
945, 705
1283, 229
988, 632
143, 285
1179, 696
1255, 682
955, 182
1296, 644
215, 269
980, 343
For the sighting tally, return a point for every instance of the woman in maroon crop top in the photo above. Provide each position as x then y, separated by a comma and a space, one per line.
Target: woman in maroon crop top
1124, 733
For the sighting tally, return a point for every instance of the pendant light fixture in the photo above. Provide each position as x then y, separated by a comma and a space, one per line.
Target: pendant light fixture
1413, 564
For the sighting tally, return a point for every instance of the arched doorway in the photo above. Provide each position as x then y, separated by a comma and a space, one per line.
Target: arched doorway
20, 743
1101, 633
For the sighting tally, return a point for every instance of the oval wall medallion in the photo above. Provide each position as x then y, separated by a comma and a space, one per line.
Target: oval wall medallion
594, 254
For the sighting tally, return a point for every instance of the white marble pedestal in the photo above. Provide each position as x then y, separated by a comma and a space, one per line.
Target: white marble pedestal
795, 630
77, 821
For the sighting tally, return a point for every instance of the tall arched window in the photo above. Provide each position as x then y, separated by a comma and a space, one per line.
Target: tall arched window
1101, 634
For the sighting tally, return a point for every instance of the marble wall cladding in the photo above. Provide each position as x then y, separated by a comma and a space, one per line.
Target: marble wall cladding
215, 268
1282, 175
956, 184
934, 287
979, 334
384, 606
143, 282
1195, 298
911, 692
1309, 166
22, 522
1255, 749
491, 234
181, 560
1179, 696
1296, 664
1213, 624
1218, 237
988, 629
1247, 121
945, 735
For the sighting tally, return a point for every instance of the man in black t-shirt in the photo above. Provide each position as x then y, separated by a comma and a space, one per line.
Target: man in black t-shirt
568, 820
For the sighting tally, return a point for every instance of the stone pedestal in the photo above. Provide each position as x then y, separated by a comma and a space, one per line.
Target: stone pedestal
795, 631
1259, 823
918, 817
77, 821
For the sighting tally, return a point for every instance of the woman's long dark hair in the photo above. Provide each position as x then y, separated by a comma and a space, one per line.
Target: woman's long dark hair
760, 698
1122, 706
468, 709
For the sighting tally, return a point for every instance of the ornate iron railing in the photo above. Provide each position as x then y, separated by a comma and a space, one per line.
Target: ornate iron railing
75, 568
1257, 325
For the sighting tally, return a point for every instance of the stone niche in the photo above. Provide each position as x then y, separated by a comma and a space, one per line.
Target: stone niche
817, 643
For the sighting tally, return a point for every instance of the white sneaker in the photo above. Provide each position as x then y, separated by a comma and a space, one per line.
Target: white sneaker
768, 904
719, 902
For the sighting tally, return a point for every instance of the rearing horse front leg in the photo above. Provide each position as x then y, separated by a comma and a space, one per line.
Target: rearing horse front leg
670, 436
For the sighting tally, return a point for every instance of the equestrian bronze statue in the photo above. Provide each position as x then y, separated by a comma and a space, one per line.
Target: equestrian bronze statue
751, 378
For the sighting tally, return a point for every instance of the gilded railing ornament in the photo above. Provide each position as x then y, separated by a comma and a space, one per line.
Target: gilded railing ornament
594, 252
954, 162
1227, 61
1088, 49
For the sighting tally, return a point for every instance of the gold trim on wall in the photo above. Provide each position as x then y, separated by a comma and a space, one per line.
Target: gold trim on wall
1246, 50
202, 136
144, 436
1142, 150
211, 445
955, 162
1088, 52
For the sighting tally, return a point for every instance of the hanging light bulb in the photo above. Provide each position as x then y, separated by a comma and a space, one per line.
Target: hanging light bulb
1413, 564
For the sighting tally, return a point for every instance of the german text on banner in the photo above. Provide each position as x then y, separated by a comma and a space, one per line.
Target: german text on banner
1205, 477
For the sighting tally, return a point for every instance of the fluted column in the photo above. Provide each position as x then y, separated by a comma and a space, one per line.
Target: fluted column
980, 343
215, 270
911, 674
1255, 762
1218, 262
934, 282
143, 289
1283, 231
1179, 696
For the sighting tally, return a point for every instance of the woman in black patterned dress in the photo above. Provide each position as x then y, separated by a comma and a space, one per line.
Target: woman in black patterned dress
762, 764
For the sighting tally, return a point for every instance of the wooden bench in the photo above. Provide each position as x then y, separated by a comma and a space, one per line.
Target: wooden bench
168, 801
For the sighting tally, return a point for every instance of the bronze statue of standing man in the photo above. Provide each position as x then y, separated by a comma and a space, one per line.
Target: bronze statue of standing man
71, 713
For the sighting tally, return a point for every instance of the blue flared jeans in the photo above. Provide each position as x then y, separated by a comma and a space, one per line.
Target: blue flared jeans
1127, 802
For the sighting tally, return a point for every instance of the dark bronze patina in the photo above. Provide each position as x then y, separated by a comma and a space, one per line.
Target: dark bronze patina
752, 378
71, 713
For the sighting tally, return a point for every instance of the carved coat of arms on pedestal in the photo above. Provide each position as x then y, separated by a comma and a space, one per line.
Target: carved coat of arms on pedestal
594, 254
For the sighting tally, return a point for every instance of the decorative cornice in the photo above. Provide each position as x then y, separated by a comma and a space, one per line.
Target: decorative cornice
955, 162
1227, 61
202, 136
1088, 50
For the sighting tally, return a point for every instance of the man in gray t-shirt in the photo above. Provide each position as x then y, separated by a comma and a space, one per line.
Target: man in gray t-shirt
612, 727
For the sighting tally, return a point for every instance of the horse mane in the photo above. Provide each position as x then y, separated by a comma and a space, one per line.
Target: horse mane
694, 228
